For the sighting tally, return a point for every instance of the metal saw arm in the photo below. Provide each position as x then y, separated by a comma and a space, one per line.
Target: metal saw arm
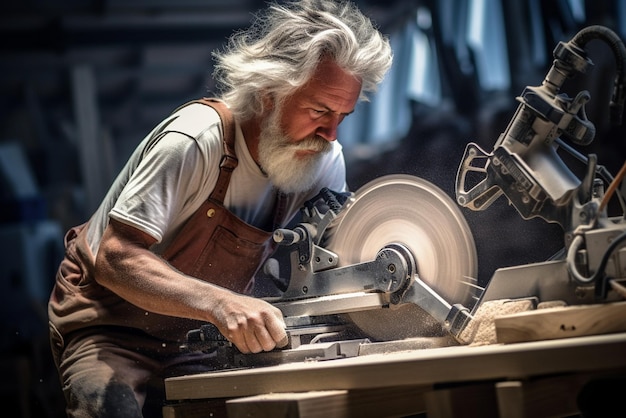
392, 276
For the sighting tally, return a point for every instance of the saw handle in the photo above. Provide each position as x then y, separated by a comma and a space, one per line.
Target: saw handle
483, 194
206, 338
285, 236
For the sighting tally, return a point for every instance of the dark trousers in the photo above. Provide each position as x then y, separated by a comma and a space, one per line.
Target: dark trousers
116, 372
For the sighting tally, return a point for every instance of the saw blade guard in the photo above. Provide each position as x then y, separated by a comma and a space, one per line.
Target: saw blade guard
410, 211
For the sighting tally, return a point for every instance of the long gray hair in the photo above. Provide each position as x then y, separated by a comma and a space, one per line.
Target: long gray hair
279, 52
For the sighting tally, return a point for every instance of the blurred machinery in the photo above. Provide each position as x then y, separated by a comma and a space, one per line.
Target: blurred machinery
525, 166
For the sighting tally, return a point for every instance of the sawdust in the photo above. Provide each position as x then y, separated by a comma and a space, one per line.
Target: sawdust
481, 330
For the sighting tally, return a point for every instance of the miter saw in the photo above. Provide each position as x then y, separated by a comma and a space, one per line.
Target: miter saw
392, 261
394, 264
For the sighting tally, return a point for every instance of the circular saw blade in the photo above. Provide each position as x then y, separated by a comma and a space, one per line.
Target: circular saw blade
414, 212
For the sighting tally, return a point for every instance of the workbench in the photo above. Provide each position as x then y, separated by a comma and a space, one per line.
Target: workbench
527, 379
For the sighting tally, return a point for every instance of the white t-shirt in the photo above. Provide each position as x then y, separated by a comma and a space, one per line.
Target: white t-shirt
175, 168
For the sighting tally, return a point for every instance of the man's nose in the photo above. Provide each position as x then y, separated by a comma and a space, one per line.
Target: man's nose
328, 127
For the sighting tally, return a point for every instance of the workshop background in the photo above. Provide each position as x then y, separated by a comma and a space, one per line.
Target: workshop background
82, 82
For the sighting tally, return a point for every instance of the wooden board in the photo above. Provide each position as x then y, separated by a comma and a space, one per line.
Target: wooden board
564, 322
418, 367
289, 405
214, 408
553, 396
374, 403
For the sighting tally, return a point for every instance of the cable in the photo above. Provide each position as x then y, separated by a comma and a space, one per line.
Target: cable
612, 187
616, 106
571, 262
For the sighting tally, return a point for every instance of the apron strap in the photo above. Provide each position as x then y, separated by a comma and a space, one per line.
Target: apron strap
229, 159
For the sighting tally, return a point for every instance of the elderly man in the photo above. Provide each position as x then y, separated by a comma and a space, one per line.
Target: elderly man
179, 236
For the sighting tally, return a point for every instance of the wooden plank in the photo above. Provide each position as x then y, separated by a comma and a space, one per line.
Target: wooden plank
412, 368
543, 397
213, 408
400, 401
510, 399
322, 404
462, 401
567, 322
550, 396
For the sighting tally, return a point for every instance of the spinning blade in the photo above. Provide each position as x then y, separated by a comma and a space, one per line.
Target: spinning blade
413, 212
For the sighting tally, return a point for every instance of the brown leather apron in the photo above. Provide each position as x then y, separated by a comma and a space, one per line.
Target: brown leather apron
214, 245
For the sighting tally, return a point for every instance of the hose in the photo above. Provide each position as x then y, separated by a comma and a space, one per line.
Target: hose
571, 262
589, 33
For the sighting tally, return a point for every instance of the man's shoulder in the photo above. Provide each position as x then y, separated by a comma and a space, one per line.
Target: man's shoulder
194, 119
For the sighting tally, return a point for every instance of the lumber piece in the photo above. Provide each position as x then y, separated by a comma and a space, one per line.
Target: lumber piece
373, 403
214, 408
562, 322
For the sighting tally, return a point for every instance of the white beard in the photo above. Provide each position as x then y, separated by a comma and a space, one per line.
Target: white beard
277, 156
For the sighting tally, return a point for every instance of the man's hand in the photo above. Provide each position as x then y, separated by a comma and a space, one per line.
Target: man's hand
253, 325
127, 266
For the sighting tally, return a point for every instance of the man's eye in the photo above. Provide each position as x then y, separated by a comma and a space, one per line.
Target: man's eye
318, 112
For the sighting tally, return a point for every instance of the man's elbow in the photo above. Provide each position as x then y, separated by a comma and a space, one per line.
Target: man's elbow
119, 252
108, 263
